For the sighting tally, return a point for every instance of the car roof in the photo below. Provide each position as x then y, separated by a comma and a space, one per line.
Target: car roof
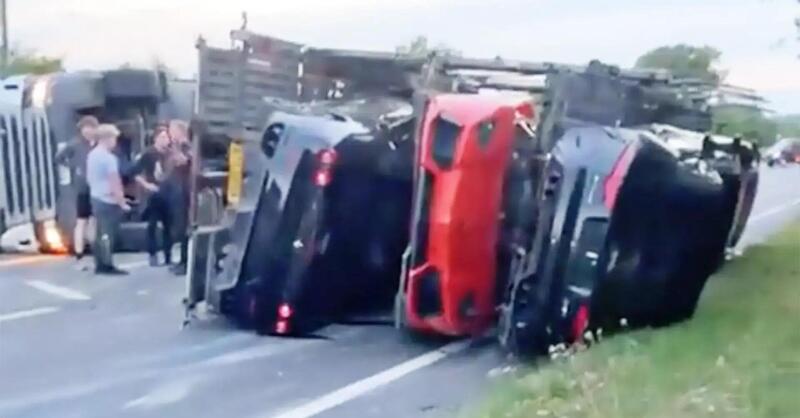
476, 107
334, 121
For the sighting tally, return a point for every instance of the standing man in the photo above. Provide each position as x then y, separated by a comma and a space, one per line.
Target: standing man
180, 178
151, 171
108, 197
74, 156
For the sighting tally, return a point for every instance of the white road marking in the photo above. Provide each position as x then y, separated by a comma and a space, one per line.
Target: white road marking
27, 314
265, 349
361, 387
62, 292
207, 367
165, 394
29, 260
133, 264
774, 211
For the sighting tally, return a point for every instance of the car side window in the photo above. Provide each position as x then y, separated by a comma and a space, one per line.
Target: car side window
445, 140
271, 138
485, 131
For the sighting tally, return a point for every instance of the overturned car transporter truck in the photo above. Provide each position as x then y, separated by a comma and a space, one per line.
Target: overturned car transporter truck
334, 179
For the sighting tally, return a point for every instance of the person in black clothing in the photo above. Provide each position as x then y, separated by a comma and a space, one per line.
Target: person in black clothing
181, 157
74, 156
150, 171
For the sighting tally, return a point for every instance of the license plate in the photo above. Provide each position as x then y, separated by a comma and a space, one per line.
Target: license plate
235, 170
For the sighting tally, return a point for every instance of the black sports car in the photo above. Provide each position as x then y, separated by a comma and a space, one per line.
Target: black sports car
323, 218
627, 225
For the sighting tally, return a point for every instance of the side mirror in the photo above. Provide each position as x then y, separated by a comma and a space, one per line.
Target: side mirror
271, 139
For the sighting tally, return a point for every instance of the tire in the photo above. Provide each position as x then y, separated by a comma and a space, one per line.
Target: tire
521, 329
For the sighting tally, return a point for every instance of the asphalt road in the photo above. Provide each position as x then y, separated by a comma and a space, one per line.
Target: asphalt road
74, 345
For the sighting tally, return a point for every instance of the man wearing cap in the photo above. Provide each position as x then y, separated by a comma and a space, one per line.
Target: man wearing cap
108, 197
74, 156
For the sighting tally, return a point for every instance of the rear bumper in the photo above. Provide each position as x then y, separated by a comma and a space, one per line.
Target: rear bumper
444, 303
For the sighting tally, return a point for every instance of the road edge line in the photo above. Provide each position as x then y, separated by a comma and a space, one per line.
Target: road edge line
774, 211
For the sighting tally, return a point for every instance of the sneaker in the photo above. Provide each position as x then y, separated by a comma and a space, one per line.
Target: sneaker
110, 271
82, 265
178, 269
153, 261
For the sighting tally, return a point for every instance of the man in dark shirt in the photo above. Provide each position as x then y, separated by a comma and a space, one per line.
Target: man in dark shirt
74, 156
151, 170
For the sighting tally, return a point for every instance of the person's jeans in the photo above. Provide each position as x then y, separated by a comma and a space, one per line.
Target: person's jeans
180, 217
108, 216
158, 212
184, 249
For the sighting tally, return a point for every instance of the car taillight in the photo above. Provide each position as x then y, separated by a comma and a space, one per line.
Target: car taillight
614, 180
285, 311
580, 323
324, 175
327, 157
322, 178
282, 327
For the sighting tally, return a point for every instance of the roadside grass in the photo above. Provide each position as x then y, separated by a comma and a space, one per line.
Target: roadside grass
738, 357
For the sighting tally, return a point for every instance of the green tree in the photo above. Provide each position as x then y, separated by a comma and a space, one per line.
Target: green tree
684, 61
788, 125
747, 122
21, 62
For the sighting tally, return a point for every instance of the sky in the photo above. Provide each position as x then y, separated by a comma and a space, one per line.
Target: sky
757, 37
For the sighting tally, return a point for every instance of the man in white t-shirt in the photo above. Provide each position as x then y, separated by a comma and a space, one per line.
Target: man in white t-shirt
108, 198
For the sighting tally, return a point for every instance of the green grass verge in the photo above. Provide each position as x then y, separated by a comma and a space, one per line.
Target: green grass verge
738, 357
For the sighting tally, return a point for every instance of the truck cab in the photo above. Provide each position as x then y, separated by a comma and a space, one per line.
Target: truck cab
27, 177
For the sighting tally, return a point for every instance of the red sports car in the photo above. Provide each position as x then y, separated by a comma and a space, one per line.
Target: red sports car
448, 283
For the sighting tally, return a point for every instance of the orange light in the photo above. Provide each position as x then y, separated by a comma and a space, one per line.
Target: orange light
53, 239
285, 311
281, 327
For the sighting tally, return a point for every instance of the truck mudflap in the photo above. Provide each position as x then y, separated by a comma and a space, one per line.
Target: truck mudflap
215, 246
204, 265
